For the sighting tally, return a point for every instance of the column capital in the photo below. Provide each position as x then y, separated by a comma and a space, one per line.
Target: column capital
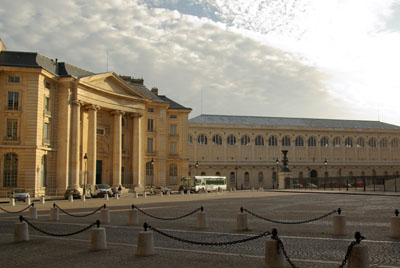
78, 102
92, 107
117, 112
136, 115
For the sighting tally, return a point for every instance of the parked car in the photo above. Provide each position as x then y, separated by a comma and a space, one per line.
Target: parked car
311, 185
163, 189
102, 189
74, 192
20, 194
114, 192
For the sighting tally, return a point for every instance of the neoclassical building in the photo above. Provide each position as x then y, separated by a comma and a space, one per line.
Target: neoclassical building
65, 127
248, 150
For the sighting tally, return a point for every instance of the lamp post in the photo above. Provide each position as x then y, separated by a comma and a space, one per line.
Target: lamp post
326, 172
197, 166
236, 179
190, 167
85, 157
152, 169
276, 174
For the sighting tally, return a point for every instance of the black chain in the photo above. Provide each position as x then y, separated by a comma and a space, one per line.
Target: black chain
280, 244
209, 243
350, 247
69, 214
292, 222
166, 219
51, 234
15, 212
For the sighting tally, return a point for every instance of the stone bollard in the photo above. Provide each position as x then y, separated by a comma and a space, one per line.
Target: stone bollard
234, 189
273, 253
231, 190
98, 238
182, 192
42, 200
117, 196
261, 189
241, 220
133, 217
136, 195
145, 246
339, 224
54, 215
168, 193
161, 194
28, 200
83, 198
105, 215
252, 189
71, 198
359, 254
202, 220
188, 192
144, 195
106, 197
33, 215
12, 201
395, 225
21, 231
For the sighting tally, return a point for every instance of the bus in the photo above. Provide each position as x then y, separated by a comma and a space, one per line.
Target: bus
198, 184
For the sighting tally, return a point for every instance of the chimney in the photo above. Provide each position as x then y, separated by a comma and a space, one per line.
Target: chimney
2, 46
154, 90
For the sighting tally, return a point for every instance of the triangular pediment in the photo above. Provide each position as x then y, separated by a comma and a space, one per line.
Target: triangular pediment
111, 83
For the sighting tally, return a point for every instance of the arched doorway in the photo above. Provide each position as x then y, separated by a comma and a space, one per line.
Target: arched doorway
314, 178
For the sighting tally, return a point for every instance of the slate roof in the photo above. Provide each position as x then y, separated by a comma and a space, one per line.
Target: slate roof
291, 122
173, 104
35, 60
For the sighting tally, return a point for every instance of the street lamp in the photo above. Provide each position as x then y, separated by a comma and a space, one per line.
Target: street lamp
326, 172
85, 157
276, 175
197, 166
236, 169
152, 168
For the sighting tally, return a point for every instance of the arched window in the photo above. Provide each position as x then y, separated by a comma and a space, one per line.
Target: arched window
217, 173
190, 139
231, 140
260, 177
10, 170
202, 139
149, 173
245, 140
395, 143
217, 140
272, 141
246, 177
285, 141
299, 141
232, 177
312, 142
43, 175
336, 142
173, 174
348, 143
324, 142
383, 143
360, 143
259, 141
372, 143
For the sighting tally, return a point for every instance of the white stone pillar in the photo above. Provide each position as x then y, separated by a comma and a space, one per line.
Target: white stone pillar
75, 144
138, 152
92, 145
117, 150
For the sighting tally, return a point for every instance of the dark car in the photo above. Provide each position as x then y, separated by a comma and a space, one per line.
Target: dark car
74, 192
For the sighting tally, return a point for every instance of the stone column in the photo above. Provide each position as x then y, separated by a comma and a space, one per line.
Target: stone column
75, 143
92, 144
117, 150
138, 152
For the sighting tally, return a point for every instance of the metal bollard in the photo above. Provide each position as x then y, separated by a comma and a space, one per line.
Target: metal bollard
273, 254
33, 215
105, 215
42, 200
71, 198
241, 220
395, 225
21, 231
98, 238
359, 254
12, 201
339, 224
54, 215
202, 220
133, 216
145, 246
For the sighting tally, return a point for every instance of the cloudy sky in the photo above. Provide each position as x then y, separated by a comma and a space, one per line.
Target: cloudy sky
288, 58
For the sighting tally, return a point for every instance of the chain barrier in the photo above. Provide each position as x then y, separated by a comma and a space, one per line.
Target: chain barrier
167, 219
78, 216
206, 243
293, 222
16, 212
358, 238
21, 218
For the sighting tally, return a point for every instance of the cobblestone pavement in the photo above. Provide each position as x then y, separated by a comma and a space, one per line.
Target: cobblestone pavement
308, 245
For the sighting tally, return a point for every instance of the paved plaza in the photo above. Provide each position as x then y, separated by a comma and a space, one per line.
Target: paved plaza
308, 245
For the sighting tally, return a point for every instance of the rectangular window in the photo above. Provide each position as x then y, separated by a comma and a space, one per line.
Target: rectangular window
13, 100
150, 148
173, 116
12, 128
172, 148
13, 79
100, 131
172, 130
150, 110
48, 85
46, 131
150, 125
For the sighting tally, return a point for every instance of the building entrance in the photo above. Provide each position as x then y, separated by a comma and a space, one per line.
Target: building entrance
99, 169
